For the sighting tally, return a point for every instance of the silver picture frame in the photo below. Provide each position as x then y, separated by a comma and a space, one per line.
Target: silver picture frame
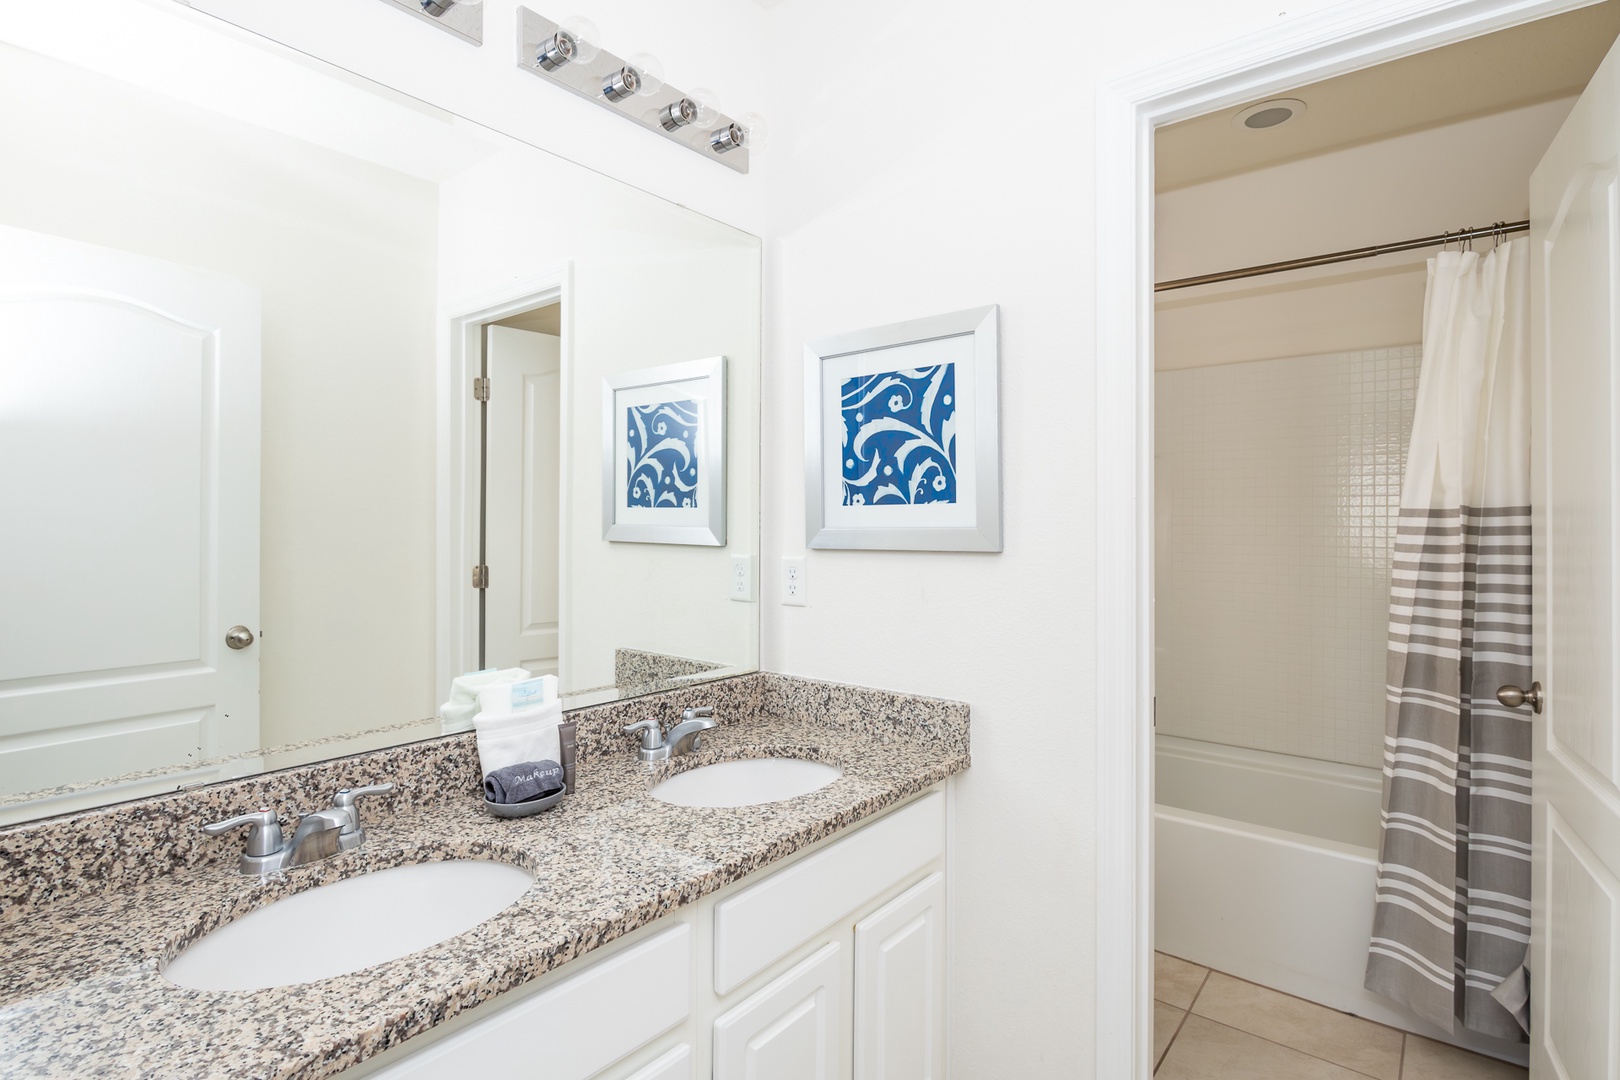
934, 473
669, 518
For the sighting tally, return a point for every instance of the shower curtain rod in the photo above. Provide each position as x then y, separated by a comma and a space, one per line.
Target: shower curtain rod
1501, 228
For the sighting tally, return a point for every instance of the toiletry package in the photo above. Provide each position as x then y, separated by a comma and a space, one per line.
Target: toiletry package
517, 724
456, 715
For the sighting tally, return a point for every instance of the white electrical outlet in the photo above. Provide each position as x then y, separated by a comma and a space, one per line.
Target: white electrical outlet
742, 579
793, 581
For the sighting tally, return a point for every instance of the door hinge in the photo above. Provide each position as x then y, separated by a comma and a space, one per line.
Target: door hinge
480, 388
480, 577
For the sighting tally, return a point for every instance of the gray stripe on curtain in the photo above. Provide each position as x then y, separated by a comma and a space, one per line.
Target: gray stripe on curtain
1452, 915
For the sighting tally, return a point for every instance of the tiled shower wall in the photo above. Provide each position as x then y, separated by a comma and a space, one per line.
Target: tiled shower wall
1278, 487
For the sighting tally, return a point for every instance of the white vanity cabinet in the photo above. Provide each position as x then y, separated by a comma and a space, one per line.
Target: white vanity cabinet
831, 967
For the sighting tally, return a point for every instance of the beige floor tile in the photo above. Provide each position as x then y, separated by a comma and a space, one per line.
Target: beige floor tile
1206, 1050
1166, 1019
1176, 981
1430, 1060
1334, 1036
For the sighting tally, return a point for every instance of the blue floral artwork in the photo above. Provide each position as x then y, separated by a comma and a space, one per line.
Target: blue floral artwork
661, 466
900, 437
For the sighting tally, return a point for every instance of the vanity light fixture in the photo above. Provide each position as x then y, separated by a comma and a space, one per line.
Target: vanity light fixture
566, 54
463, 18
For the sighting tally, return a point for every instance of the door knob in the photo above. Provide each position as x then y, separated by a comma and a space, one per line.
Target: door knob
1513, 697
238, 637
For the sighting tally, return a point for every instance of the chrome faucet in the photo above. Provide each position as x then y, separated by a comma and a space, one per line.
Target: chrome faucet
319, 835
684, 738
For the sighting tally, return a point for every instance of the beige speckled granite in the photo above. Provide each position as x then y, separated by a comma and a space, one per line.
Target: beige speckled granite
96, 903
634, 667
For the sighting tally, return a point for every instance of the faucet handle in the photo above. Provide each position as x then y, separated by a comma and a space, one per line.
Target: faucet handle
652, 735
347, 797
264, 832
701, 710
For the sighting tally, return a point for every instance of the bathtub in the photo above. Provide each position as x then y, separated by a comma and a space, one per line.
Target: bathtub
1264, 868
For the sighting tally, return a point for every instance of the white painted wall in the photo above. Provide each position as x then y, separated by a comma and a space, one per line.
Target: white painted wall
343, 254
1473, 172
892, 202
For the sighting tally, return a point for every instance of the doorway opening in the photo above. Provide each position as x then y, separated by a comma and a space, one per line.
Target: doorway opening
520, 492
1313, 349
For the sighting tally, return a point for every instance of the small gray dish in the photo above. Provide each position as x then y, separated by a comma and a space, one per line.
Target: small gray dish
526, 808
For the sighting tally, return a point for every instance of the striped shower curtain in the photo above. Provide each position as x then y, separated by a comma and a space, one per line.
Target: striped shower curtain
1452, 915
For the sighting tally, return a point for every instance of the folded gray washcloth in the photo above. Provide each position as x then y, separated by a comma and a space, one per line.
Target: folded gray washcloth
520, 783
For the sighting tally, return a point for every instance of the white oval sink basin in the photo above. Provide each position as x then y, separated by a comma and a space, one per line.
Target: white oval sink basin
349, 925
746, 783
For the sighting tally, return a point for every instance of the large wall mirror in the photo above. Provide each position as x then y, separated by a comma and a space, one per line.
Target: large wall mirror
247, 475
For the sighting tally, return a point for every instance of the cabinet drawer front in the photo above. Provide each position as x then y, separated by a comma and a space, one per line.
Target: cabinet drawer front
793, 1029
763, 923
576, 1028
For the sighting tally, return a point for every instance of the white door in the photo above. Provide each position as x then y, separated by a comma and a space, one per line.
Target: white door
1575, 851
793, 1029
522, 500
900, 987
129, 514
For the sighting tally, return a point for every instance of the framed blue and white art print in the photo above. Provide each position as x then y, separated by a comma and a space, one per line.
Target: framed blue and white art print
901, 439
664, 454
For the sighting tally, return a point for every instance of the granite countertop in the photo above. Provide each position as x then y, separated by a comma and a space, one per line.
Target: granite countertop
81, 992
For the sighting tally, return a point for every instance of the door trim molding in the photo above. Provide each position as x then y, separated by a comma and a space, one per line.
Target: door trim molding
1344, 37
456, 483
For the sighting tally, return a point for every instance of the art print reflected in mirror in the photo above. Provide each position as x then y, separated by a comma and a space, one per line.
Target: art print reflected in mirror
301, 417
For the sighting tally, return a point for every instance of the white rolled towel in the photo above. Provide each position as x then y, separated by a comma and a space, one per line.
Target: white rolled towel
519, 737
457, 714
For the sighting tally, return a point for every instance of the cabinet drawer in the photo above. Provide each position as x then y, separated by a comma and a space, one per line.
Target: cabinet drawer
576, 1028
765, 922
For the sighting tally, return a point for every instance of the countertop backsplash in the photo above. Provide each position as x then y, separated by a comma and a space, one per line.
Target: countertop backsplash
129, 843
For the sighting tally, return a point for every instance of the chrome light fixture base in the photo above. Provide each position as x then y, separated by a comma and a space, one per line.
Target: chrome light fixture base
613, 83
466, 21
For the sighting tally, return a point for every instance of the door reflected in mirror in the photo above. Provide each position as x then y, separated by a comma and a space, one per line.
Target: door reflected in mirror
247, 316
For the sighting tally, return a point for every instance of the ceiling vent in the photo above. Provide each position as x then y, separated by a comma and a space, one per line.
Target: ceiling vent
1268, 114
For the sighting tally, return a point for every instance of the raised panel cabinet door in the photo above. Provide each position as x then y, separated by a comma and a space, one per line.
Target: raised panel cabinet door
793, 1029
674, 1065
129, 515
900, 987
1575, 469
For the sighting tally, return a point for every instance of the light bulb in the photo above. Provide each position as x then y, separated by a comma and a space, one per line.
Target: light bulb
651, 72
756, 133
708, 105
575, 42
587, 38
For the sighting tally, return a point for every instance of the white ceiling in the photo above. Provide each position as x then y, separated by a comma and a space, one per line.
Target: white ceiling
1538, 61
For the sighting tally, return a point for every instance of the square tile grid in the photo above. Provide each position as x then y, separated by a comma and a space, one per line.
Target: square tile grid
1210, 1026
1279, 486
